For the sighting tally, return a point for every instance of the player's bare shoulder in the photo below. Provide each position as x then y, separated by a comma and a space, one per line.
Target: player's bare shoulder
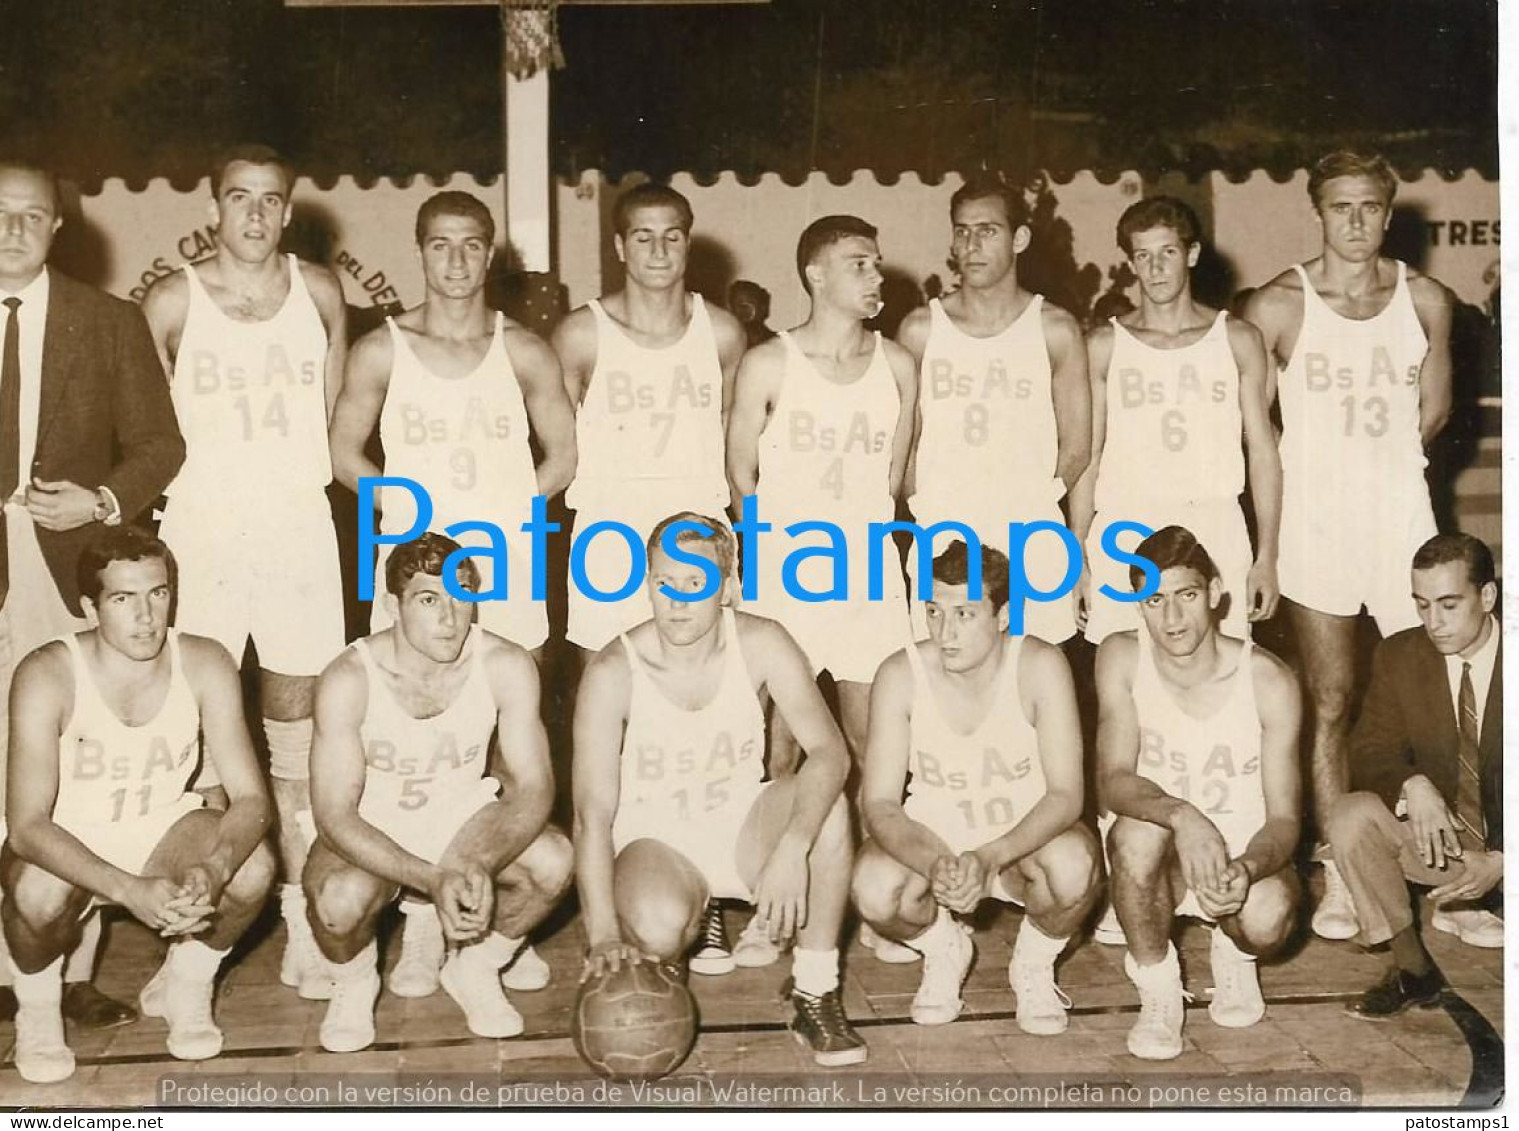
1059, 324
49, 668
166, 307
727, 329
506, 660
201, 654
1428, 293
373, 354
1244, 338
323, 286
526, 349
767, 646
1117, 656
912, 334
1275, 683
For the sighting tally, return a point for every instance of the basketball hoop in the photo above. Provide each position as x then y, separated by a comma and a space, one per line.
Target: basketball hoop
531, 30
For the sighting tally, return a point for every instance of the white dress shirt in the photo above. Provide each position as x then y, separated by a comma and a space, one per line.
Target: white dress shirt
1482, 673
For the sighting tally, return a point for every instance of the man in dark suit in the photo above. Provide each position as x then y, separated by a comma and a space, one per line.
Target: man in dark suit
87, 436
1428, 747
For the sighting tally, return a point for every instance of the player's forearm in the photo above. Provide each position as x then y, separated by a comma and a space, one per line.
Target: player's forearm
743, 476
348, 467
1082, 500
908, 842
819, 782
1129, 795
1266, 497
370, 850
593, 878
1051, 815
1071, 463
1271, 848
59, 853
527, 814
557, 471
1433, 415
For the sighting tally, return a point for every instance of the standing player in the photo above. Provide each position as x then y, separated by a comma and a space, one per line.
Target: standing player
403, 797
253, 342
105, 738
1197, 754
986, 726
1175, 387
650, 368
670, 808
1363, 346
820, 431
1004, 409
457, 390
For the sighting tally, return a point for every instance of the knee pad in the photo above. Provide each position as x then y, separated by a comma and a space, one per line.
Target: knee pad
289, 748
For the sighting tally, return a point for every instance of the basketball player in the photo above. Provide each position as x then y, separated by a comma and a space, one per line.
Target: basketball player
1197, 755
105, 738
1362, 343
253, 342
1176, 385
403, 797
820, 433
650, 368
986, 726
670, 808
1004, 408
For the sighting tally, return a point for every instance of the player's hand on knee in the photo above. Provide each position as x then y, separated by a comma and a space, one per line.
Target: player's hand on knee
1429, 819
463, 903
163, 906
972, 874
1200, 847
609, 957
1230, 894
1479, 873
1261, 591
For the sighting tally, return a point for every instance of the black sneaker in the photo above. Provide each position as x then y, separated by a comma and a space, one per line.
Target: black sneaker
1397, 992
820, 1024
713, 954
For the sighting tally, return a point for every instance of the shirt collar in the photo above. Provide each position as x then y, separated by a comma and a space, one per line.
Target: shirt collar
1483, 658
35, 293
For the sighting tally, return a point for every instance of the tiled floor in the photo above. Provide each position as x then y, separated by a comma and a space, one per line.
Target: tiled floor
1306, 1039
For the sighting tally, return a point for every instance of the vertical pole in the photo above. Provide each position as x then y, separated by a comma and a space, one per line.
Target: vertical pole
525, 119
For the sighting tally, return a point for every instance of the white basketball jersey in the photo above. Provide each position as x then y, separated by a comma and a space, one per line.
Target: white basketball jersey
414, 767
251, 397
1350, 395
651, 422
684, 767
1174, 430
972, 788
463, 438
110, 772
1215, 763
989, 440
825, 452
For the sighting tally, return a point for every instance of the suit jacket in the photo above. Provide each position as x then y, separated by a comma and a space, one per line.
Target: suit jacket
1408, 726
105, 418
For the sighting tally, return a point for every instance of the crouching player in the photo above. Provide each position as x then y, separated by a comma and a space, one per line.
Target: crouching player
670, 808
106, 729
1197, 754
982, 729
404, 795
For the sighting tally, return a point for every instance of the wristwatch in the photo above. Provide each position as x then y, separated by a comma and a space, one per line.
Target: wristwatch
107, 509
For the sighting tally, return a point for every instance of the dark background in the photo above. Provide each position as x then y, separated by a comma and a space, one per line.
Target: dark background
143, 88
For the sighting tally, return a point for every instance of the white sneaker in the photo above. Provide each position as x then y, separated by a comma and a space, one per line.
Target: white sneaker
1335, 917
1162, 1008
947, 956
527, 973
713, 955
349, 1023
886, 950
416, 972
1237, 1001
1474, 927
42, 1055
302, 966
756, 948
1109, 932
184, 1001
1041, 1003
476, 986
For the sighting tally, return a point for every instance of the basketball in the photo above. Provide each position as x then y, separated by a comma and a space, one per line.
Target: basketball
638, 1023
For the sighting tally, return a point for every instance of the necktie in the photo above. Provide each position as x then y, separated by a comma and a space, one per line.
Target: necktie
10, 427
1469, 783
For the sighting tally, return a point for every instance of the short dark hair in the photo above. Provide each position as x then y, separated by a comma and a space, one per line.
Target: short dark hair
426, 555
251, 154
650, 195
721, 538
1158, 212
120, 544
984, 186
1443, 548
25, 163
1173, 547
1347, 163
952, 567
823, 233
455, 203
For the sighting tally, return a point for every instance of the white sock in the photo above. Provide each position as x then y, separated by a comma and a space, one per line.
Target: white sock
42, 989
194, 959
936, 933
1038, 945
815, 972
80, 962
417, 907
494, 950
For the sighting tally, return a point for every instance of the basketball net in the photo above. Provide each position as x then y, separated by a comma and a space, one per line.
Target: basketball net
532, 36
